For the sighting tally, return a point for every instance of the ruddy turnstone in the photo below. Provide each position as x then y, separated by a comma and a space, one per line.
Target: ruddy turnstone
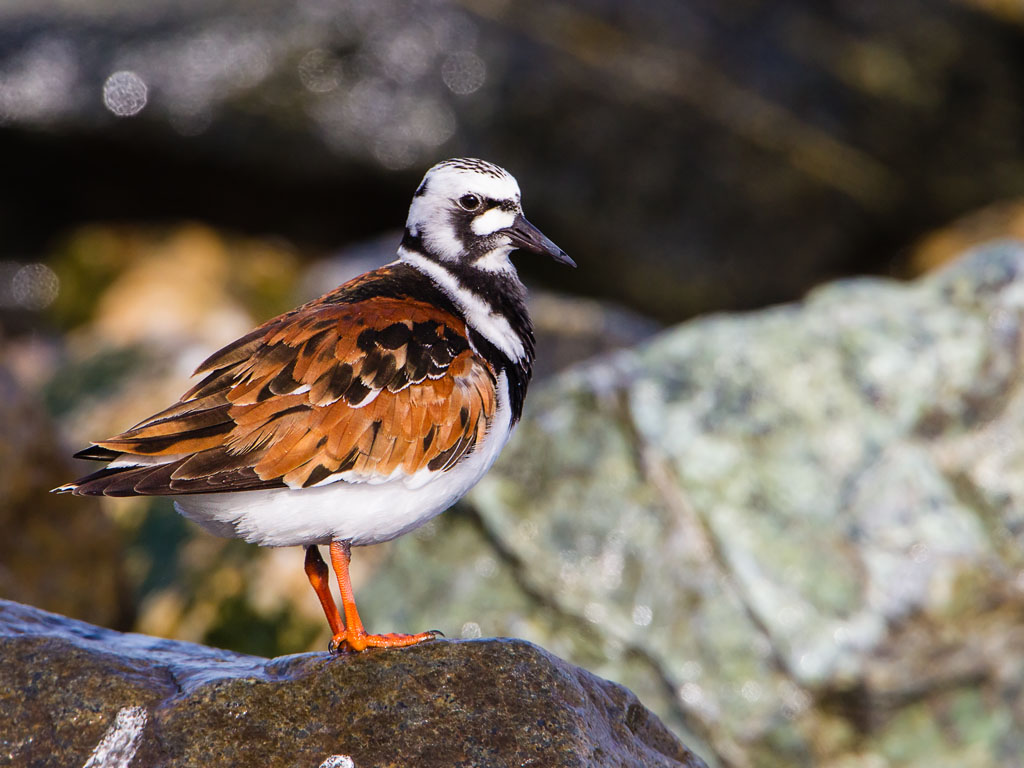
363, 414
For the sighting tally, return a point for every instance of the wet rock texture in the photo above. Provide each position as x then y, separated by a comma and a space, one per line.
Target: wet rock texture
75, 694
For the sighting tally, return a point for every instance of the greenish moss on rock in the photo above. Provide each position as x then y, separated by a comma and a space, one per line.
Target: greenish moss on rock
796, 534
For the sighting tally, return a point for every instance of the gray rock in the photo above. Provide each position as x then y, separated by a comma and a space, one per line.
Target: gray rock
675, 150
75, 694
796, 534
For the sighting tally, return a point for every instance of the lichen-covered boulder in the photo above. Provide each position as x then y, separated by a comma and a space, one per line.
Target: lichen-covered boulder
797, 534
794, 534
75, 694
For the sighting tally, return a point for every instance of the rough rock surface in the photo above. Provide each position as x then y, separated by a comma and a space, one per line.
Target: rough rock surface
796, 534
76, 694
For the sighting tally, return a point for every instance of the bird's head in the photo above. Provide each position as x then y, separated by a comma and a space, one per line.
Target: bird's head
469, 211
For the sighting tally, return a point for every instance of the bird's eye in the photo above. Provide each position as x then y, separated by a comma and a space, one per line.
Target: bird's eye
469, 202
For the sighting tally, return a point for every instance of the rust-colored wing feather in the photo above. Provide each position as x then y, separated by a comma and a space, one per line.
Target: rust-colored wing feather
355, 391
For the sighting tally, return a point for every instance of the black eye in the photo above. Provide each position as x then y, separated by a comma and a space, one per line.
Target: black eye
469, 202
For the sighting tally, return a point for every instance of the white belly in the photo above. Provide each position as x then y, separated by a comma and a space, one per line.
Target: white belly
362, 513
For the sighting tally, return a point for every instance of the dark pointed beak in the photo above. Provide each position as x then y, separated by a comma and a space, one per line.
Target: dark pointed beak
527, 237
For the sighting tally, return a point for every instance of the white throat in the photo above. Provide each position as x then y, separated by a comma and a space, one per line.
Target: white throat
497, 261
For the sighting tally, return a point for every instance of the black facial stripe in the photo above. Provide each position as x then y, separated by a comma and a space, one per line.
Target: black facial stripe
507, 298
503, 292
518, 373
475, 246
462, 226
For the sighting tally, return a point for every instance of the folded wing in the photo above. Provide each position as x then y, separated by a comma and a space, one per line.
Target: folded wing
362, 391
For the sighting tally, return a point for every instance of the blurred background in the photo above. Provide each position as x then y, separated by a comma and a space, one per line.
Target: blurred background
176, 171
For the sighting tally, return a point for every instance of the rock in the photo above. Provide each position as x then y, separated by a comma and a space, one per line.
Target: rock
796, 534
75, 694
66, 558
690, 157
1001, 220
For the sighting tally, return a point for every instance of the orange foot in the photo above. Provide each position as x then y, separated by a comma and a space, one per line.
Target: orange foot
359, 641
349, 635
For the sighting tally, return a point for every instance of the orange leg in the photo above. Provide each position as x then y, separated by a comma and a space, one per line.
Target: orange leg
319, 576
355, 636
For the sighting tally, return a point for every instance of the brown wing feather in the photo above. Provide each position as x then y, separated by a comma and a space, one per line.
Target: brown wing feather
332, 390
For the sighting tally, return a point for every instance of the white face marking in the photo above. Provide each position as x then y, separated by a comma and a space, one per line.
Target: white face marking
488, 223
491, 221
430, 214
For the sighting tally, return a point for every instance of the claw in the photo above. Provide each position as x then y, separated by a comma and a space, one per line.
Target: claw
339, 644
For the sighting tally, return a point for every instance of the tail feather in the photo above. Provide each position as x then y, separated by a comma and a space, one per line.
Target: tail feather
97, 453
163, 479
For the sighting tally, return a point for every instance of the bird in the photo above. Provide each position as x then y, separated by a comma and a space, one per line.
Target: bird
362, 414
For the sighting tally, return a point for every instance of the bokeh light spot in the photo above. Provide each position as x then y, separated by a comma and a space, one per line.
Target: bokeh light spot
691, 694
394, 153
463, 72
319, 71
40, 83
691, 670
595, 613
34, 286
125, 93
431, 122
407, 55
485, 566
642, 615
751, 690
